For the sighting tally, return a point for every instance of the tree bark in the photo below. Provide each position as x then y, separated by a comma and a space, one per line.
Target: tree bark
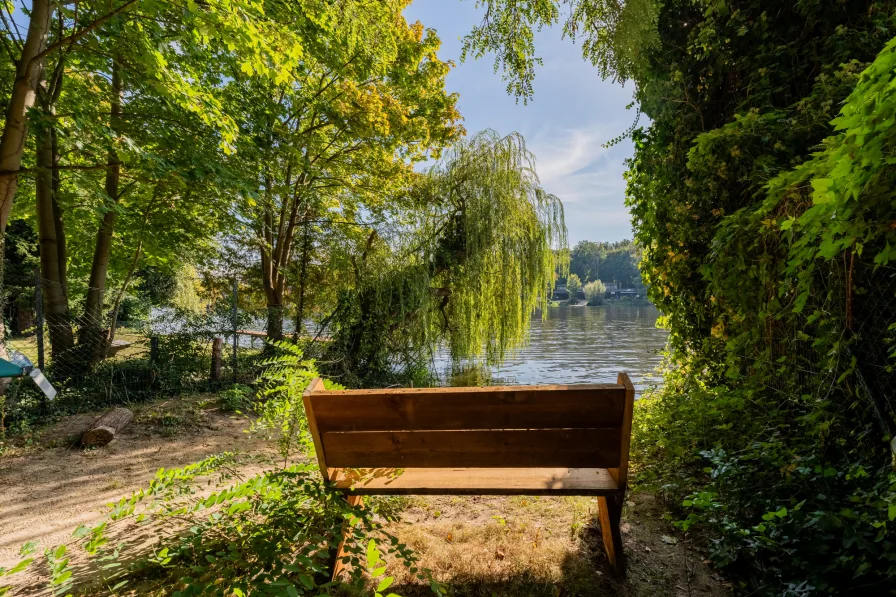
92, 337
106, 427
217, 359
52, 251
275, 320
300, 309
51, 232
15, 129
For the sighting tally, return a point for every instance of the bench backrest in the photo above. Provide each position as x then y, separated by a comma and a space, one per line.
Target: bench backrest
576, 426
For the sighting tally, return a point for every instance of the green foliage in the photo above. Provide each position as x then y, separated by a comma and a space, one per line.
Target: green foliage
616, 36
608, 262
594, 292
236, 398
25, 553
573, 285
760, 254
473, 258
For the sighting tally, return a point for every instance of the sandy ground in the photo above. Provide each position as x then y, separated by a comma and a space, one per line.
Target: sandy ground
51, 487
484, 546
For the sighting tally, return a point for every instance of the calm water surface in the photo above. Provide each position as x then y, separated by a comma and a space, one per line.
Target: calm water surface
589, 345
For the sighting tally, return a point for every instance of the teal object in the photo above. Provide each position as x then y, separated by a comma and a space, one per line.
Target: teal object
8, 369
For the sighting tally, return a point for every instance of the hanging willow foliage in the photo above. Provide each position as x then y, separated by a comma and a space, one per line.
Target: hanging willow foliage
473, 260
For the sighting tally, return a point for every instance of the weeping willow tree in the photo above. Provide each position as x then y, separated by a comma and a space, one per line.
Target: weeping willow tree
471, 258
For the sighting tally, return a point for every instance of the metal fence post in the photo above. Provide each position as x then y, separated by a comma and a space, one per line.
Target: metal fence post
235, 324
39, 317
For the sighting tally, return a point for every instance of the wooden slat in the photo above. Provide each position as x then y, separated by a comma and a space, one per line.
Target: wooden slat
621, 472
316, 385
503, 407
493, 448
476, 481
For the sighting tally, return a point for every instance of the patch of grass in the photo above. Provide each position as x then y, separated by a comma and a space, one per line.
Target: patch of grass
169, 417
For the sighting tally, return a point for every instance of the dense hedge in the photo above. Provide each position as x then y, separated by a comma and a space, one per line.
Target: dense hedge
763, 200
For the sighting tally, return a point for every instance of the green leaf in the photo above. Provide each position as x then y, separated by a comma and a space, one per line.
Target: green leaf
306, 581
373, 556
19, 567
384, 584
891, 511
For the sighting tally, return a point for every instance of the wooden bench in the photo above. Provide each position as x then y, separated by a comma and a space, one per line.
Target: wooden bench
505, 440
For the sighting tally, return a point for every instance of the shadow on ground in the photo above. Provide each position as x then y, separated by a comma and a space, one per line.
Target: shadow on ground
547, 547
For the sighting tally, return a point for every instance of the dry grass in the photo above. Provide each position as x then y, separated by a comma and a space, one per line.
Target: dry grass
545, 547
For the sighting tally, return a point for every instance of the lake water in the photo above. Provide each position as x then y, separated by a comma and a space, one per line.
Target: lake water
589, 345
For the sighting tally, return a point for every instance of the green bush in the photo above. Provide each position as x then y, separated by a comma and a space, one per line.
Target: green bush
594, 292
775, 509
236, 398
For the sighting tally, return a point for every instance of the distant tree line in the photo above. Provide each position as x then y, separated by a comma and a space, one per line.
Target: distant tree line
609, 262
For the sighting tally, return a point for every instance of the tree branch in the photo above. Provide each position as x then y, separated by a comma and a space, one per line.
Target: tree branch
79, 34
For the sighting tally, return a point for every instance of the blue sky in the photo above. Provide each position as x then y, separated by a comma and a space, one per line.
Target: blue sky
572, 114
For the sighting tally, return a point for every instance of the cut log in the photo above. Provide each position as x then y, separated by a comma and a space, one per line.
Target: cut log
106, 427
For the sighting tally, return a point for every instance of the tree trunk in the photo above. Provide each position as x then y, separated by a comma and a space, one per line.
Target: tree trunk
106, 427
92, 337
15, 130
116, 307
275, 320
300, 309
51, 268
51, 232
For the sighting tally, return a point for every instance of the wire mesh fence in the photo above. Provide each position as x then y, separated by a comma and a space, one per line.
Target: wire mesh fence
120, 359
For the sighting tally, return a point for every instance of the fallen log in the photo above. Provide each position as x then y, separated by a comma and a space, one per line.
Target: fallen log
105, 428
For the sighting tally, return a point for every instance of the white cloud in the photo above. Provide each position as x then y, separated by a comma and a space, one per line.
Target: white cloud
562, 152
565, 124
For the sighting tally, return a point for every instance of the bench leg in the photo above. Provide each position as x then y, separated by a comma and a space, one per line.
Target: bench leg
336, 566
610, 514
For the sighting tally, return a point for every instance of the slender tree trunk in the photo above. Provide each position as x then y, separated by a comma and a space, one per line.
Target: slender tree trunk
15, 130
273, 287
92, 336
52, 249
51, 232
124, 287
303, 271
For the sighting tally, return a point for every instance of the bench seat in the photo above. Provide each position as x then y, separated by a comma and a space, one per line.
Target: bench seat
476, 481
499, 440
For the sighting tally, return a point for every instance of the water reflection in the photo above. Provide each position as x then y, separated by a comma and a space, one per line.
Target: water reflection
588, 345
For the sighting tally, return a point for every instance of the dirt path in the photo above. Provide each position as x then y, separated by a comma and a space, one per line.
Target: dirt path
46, 492
479, 545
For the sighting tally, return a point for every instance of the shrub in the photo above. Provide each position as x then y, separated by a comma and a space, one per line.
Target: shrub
594, 292
236, 398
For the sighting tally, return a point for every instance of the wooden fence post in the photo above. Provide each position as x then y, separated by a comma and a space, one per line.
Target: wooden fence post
217, 350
